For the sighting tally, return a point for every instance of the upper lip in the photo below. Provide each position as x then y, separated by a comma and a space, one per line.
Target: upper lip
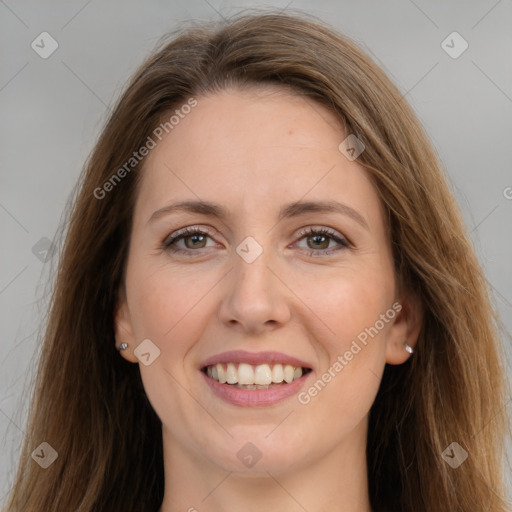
254, 358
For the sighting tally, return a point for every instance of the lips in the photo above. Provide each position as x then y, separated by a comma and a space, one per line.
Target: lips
254, 358
247, 375
254, 379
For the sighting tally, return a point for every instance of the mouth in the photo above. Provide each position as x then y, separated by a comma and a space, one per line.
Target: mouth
248, 376
254, 379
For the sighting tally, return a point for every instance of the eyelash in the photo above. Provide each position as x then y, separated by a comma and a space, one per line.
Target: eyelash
190, 231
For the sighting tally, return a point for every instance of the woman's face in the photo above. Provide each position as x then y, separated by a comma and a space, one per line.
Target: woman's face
286, 262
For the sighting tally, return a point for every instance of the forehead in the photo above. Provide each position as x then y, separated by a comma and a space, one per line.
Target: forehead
256, 146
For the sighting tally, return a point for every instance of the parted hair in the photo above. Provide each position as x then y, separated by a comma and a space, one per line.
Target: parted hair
89, 403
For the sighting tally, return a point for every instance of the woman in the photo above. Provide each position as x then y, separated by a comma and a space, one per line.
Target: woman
267, 298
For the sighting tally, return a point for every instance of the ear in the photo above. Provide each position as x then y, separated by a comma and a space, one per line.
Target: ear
123, 326
405, 328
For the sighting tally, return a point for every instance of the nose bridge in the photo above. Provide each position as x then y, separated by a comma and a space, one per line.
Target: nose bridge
252, 277
251, 266
254, 298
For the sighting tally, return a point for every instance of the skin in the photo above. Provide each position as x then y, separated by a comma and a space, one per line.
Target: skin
252, 152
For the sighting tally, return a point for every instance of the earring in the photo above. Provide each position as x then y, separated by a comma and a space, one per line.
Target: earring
408, 348
123, 346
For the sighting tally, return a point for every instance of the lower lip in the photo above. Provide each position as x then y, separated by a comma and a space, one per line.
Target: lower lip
255, 397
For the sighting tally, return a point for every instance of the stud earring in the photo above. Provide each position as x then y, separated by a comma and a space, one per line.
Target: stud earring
123, 346
408, 348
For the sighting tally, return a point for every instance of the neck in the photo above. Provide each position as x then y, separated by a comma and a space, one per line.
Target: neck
331, 482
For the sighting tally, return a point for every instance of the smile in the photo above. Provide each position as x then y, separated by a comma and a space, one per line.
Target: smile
254, 379
247, 376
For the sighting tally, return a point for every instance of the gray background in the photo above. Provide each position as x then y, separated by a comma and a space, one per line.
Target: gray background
53, 109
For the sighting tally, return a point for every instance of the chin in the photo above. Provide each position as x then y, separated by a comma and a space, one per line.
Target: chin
255, 455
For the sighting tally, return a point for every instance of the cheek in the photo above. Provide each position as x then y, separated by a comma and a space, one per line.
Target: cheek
166, 304
350, 378
171, 309
350, 305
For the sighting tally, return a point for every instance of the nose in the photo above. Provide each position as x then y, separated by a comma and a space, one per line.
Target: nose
255, 299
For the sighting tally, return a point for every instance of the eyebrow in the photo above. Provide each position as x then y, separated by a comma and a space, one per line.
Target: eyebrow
286, 212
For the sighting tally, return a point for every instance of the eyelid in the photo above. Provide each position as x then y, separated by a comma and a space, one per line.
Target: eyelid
189, 230
340, 239
314, 230
322, 229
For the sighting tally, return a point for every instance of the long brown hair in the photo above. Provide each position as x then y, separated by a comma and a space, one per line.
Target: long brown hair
89, 403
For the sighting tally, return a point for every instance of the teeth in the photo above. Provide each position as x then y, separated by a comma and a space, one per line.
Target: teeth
288, 373
221, 373
231, 374
245, 374
254, 377
277, 373
262, 375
